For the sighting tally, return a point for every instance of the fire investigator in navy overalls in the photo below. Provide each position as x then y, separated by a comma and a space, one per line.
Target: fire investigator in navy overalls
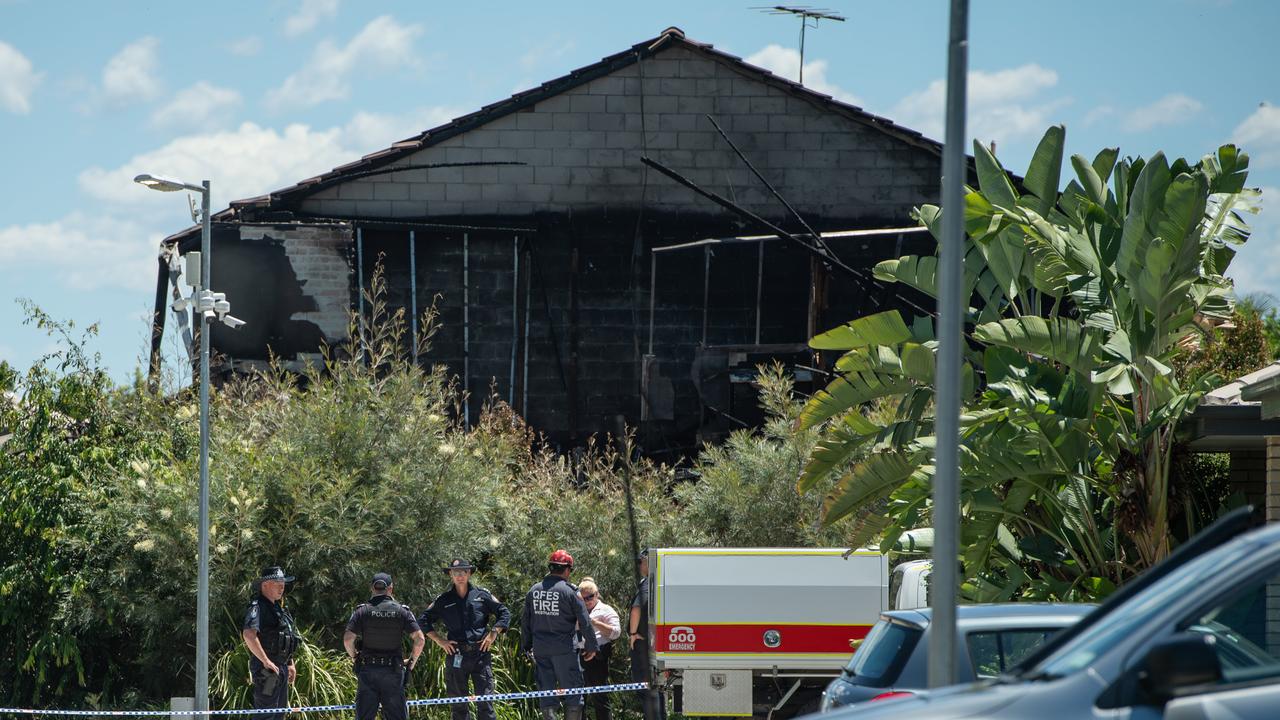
380, 625
465, 610
271, 636
553, 613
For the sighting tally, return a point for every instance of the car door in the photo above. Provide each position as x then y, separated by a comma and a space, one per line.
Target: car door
1244, 625
1260, 701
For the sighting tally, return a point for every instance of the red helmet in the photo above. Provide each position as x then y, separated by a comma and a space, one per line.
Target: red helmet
560, 557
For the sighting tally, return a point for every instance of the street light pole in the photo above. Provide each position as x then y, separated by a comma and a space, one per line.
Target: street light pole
208, 305
202, 582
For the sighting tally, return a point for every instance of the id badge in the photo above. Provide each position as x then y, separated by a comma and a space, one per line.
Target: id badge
457, 659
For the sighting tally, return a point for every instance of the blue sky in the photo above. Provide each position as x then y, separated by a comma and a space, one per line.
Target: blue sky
257, 95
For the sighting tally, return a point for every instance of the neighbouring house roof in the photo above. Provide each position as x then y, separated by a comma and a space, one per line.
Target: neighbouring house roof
286, 198
1238, 415
1244, 390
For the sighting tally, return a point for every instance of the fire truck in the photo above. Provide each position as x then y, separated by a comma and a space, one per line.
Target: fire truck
760, 631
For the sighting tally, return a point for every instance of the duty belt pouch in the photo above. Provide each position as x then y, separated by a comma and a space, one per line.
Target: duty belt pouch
270, 682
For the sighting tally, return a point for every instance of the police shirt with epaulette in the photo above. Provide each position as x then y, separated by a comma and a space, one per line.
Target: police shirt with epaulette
276, 629
466, 618
382, 623
552, 614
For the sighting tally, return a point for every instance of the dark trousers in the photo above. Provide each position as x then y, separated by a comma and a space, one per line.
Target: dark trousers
558, 671
477, 667
380, 685
650, 701
270, 690
596, 673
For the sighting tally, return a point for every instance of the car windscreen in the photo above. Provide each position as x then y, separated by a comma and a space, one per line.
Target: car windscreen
882, 654
1130, 615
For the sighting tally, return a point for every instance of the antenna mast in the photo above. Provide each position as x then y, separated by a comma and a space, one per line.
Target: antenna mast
805, 13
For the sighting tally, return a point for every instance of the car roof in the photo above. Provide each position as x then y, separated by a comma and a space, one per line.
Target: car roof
1016, 613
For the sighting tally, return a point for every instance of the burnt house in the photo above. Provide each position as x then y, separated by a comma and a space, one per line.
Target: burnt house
588, 286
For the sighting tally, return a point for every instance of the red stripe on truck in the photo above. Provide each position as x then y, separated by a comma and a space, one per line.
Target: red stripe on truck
757, 638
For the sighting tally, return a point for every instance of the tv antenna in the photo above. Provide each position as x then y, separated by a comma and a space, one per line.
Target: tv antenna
805, 13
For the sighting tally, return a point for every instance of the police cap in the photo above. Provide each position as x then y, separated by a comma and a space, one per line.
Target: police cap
274, 572
381, 581
459, 564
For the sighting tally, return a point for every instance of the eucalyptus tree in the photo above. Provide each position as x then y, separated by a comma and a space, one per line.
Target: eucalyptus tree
1079, 300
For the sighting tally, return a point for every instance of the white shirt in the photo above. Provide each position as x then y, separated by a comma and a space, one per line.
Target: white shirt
602, 611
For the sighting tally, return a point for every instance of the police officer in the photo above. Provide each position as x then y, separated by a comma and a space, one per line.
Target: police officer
381, 625
271, 636
553, 612
465, 610
638, 637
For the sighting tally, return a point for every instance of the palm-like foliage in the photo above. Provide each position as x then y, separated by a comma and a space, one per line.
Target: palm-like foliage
1078, 302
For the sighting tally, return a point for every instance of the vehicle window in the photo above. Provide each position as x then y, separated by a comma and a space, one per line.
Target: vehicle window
1133, 613
882, 654
1246, 639
993, 652
895, 586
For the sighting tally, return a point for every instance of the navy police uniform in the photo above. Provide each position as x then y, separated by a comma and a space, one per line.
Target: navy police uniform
382, 624
466, 619
279, 636
650, 702
553, 612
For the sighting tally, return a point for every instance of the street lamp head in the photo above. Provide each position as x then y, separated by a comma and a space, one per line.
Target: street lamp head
165, 184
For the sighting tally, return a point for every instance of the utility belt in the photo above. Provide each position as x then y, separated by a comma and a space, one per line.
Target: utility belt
391, 661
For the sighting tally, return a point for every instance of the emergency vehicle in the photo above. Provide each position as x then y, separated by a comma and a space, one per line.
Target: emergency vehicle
760, 631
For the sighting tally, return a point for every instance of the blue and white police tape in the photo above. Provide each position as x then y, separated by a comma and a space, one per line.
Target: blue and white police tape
500, 697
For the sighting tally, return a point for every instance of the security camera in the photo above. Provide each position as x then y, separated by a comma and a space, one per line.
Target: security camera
232, 321
181, 304
210, 315
222, 307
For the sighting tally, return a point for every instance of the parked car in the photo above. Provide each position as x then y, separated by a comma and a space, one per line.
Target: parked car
1194, 637
892, 660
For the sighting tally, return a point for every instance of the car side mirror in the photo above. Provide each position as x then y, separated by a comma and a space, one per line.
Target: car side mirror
1184, 660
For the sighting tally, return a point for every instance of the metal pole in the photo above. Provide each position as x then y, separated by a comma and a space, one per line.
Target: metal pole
466, 332
413, 293
653, 289
360, 286
528, 292
515, 318
706, 289
804, 21
759, 287
202, 581
946, 483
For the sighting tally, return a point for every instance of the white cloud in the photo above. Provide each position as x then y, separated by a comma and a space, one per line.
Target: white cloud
1259, 135
201, 106
112, 241
252, 160
1097, 114
308, 15
1171, 109
87, 251
367, 132
131, 76
785, 62
240, 163
18, 80
383, 44
1256, 268
1003, 105
246, 46
550, 49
